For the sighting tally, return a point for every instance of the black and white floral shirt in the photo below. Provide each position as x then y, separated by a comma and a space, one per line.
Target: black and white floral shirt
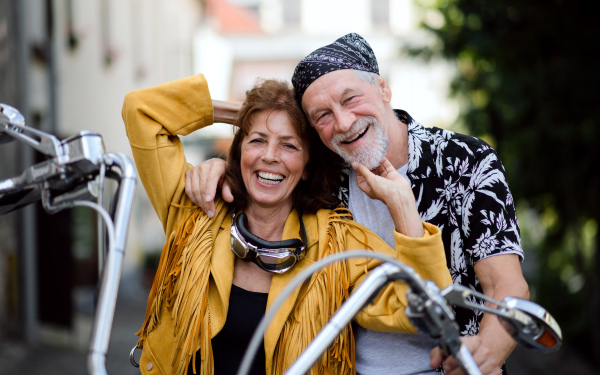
459, 185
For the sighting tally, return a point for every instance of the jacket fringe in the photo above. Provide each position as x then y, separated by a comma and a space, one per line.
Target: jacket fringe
182, 281
327, 291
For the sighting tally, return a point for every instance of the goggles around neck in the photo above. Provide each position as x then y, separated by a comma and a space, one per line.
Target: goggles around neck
271, 256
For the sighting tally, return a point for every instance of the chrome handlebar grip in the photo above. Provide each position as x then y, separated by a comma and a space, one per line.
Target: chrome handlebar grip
109, 286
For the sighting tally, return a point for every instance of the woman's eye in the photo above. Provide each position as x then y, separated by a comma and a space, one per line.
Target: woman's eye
290, 146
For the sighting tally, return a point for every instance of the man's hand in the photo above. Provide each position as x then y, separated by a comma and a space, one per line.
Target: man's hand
481, 355
387, 185
500, 276
381, 182
202, 181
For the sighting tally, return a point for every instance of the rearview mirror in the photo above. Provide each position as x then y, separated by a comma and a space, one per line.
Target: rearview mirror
531, 325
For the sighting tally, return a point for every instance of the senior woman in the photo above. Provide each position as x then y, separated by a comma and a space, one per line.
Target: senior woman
212, 287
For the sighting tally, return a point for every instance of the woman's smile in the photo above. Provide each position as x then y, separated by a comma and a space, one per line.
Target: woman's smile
269, 178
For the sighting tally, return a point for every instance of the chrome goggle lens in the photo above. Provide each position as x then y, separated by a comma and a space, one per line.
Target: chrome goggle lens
277, 260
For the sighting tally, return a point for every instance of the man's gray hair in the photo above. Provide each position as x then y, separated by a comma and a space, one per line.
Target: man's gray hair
368, 77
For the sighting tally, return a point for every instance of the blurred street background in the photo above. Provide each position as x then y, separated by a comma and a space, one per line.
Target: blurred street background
522, 75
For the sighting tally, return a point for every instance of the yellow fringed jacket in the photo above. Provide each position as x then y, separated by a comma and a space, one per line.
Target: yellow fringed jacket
188, 302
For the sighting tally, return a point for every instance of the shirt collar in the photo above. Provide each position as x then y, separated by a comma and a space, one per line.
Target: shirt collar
420, 158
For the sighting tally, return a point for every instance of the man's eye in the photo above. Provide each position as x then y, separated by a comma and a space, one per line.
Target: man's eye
349, 99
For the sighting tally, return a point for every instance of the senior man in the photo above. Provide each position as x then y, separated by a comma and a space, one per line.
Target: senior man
457, 180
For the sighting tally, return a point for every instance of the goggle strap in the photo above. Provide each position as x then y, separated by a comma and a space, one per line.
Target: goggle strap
241, 223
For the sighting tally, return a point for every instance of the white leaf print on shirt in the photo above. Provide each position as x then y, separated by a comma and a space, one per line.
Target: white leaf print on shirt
484, 245
483, 178
458, 267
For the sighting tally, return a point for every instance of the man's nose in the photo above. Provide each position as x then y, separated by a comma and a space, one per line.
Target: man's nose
344, 121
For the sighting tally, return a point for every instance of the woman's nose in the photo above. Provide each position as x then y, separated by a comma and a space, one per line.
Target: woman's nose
271, 153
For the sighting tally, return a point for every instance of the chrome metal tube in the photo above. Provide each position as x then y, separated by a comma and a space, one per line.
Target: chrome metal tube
111, 275
466, 361
358, 299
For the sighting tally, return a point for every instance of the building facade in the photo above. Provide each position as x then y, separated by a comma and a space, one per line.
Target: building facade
66, 66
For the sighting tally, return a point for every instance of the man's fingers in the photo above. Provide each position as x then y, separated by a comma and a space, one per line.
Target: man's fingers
437, 357
481, 356
451, 367
208, 184
486, 368
387, 166
364, 179
192, 188
359, 168
364, 172
209, 208
202, 182
226, 193
201, 186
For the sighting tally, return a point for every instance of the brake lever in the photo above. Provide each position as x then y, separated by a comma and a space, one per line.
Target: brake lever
458, 295
14, 125
527, 322
62, 177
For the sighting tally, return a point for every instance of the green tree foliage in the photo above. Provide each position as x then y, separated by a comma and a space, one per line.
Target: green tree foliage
528, 79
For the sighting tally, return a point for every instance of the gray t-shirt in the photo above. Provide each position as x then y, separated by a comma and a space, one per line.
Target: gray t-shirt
384, 352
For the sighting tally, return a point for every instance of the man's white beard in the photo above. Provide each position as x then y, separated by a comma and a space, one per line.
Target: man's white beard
370, 154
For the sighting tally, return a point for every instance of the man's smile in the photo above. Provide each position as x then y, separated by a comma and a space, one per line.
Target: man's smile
357, 136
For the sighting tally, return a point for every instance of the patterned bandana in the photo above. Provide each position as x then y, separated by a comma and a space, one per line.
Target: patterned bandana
348, 52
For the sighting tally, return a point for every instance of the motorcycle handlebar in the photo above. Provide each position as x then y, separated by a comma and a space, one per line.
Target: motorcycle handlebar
68, 178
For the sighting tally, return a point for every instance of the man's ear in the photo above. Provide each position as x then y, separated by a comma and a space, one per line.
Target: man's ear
386, 91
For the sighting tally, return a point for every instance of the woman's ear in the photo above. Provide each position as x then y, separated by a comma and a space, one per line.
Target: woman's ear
305, 174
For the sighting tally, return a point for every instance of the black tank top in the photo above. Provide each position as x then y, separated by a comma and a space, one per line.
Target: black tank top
246, 309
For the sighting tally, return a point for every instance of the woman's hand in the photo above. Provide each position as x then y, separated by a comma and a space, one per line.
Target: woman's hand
387, 185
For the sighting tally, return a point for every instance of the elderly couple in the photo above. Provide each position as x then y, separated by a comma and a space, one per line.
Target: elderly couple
318, 168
